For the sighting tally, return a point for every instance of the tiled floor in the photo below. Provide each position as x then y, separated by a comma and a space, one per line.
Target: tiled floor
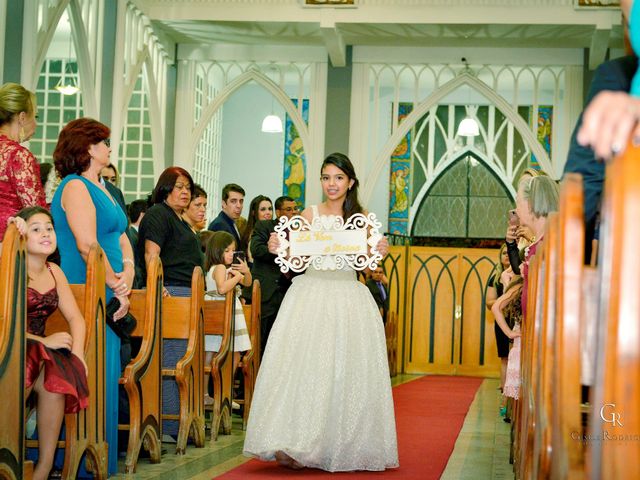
482, 448
481, 451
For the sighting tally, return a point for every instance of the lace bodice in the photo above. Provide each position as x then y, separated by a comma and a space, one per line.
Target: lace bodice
40, 306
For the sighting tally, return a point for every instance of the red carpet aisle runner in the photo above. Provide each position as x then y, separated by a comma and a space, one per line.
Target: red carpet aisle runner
429, 415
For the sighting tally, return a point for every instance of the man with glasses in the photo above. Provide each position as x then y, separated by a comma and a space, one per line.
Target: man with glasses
273, 282
109, 178
286, 206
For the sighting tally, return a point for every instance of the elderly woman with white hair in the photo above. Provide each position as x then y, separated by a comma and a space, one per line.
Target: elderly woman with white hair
537, 197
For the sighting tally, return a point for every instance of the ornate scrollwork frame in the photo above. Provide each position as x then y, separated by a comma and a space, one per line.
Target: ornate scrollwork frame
328, 223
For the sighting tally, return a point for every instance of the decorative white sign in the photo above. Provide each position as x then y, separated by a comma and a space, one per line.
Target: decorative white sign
328, 242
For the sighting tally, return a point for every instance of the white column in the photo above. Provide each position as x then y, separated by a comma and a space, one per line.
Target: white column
571, 106
29, 45
185, 114
3, 25
317, 114
359, 122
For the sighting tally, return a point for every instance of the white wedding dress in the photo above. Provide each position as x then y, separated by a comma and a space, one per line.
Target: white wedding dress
323, 393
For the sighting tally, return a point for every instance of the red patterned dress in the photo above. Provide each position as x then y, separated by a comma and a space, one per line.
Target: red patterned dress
63, 371
19, 181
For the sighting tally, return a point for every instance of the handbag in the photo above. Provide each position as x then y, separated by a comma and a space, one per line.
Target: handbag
123, 327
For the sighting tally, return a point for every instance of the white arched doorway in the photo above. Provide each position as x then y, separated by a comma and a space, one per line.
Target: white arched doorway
220, 90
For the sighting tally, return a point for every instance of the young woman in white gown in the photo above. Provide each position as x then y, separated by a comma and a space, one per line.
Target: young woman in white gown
323, 394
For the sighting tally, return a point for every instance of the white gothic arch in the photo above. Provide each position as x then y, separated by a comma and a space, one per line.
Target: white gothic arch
280, 95
423, 108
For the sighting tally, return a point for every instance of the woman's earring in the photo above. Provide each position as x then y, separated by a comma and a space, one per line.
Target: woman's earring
21, 135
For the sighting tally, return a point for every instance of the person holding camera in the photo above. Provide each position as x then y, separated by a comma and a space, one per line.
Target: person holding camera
226, 269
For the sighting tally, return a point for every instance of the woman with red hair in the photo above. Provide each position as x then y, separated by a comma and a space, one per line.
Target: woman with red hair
85, 213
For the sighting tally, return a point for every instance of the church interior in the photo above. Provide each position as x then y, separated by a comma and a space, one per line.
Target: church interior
259, 92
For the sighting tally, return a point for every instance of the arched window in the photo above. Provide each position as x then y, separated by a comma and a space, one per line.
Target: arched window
466, 201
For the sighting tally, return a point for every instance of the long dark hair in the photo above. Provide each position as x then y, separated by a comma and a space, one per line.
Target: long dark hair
254, 211
351, 203
216, 245
27, 212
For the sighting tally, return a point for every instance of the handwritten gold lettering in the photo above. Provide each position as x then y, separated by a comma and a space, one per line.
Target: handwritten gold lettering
337, 247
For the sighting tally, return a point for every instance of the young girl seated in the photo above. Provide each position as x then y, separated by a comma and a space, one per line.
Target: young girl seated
224, 275
509, 305
55, 368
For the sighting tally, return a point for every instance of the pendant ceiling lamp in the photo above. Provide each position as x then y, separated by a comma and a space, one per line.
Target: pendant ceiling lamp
67, 84
468, 126
272, 122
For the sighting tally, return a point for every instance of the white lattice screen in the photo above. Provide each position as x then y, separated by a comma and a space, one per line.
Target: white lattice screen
136, 149
54, 109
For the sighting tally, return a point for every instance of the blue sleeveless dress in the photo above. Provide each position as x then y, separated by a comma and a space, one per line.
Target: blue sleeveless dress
111, 223
634, 37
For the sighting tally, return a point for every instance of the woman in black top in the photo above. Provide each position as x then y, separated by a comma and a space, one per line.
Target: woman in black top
165, 233
495, 291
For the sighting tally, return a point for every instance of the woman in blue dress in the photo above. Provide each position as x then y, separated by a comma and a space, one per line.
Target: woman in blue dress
85, 213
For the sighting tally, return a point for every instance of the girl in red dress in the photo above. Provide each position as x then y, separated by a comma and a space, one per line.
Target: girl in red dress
55, 370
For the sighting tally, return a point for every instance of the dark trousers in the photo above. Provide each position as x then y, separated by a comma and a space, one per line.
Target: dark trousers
266, 322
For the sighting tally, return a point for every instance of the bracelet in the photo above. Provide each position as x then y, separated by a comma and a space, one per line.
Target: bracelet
128, 260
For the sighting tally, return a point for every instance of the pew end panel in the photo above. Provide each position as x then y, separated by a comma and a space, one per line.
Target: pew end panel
251, 361
13, 327
616, 396
567, 454
86, 430
142, 377
189, 370
219, 320
525, 420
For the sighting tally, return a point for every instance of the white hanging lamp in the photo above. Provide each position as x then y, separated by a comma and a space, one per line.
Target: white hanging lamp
272, 124
468, 126
63, 86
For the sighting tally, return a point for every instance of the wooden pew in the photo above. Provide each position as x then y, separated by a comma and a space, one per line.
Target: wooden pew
251, 362
219, 320
13, 286
567, 452
545, 360
183, 319
141, 378
85, 430
549, 427
524, 409
616, 399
